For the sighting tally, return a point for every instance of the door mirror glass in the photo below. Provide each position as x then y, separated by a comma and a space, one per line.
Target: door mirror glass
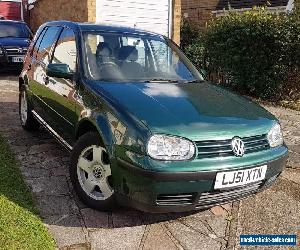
204, 73
59, 70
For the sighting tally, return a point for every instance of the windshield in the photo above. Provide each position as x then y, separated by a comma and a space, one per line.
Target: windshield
122, 57
14, 30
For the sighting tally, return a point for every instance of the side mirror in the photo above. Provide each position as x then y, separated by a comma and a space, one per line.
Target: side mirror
204, 73
59, 70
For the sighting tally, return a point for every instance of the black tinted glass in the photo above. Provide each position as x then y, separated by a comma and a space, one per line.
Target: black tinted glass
131, 58
18, 30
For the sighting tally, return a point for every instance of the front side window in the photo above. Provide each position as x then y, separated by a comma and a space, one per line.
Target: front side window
38, 42
48, 40
65, 51
18, 30
128, 58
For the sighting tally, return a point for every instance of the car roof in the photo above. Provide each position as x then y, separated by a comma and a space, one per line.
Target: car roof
101, 27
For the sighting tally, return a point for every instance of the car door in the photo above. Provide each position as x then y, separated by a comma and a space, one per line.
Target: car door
40, 60
62, 92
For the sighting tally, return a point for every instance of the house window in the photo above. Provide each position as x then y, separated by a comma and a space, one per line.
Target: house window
225, 6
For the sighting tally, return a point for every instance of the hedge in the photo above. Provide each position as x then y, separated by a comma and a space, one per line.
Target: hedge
256, 52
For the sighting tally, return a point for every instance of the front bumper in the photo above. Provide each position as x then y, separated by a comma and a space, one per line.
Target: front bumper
6, 60
159, 192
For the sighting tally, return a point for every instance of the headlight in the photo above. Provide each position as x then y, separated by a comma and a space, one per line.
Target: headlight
1, 51
165, 147
275, 137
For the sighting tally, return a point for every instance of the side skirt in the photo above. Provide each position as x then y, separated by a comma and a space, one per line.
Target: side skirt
52, 131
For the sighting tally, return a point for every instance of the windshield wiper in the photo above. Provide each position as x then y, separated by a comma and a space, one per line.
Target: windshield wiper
195, 81
173, 80
162, 80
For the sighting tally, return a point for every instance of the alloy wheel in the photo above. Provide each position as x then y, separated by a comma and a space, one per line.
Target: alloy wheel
23, 107
94, 172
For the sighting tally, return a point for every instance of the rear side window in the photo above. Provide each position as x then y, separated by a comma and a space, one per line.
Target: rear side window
66, 51
49, 39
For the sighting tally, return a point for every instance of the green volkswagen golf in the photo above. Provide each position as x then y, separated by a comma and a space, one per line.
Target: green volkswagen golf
143, 127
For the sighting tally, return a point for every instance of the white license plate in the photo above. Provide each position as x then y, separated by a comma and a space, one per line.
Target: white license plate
18, 59
240, 177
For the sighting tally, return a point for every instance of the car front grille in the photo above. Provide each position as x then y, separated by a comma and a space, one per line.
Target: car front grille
175, 199
270, 181
222, 148
208, 199
15, 51
220, 197
215, 197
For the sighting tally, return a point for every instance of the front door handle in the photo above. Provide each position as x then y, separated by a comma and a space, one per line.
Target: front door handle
46, 80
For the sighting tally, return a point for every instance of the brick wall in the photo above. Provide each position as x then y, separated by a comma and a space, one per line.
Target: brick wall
91, 6
198, 11
25, 12
72, 10
176, 20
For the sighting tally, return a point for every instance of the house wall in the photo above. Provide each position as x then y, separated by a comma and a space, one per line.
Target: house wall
72, 10
83, 11
25, 11
176, 20
198, 12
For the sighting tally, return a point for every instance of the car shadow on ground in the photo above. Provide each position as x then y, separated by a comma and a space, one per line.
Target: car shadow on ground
44, 165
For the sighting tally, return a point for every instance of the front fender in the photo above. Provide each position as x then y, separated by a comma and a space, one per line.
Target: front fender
120, 133
114, 133
100, 123
118, 128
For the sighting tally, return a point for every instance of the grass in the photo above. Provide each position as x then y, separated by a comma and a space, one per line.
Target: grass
20, 226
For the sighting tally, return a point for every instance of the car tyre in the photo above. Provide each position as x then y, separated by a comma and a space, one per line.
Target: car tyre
90, 172
28, 121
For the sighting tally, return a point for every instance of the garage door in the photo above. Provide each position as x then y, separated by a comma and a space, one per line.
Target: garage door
10, 10
150, 15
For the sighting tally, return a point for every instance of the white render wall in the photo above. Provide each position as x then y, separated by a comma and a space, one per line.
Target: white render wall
153, 15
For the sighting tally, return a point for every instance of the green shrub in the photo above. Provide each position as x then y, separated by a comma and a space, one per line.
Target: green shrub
257, 52
192, 43
291, 27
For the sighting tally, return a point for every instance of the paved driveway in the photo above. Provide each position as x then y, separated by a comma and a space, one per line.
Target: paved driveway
44, 165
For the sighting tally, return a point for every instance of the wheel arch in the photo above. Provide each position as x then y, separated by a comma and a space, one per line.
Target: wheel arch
87, 125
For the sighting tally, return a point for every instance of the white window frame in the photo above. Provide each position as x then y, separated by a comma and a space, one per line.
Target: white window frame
278, 9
